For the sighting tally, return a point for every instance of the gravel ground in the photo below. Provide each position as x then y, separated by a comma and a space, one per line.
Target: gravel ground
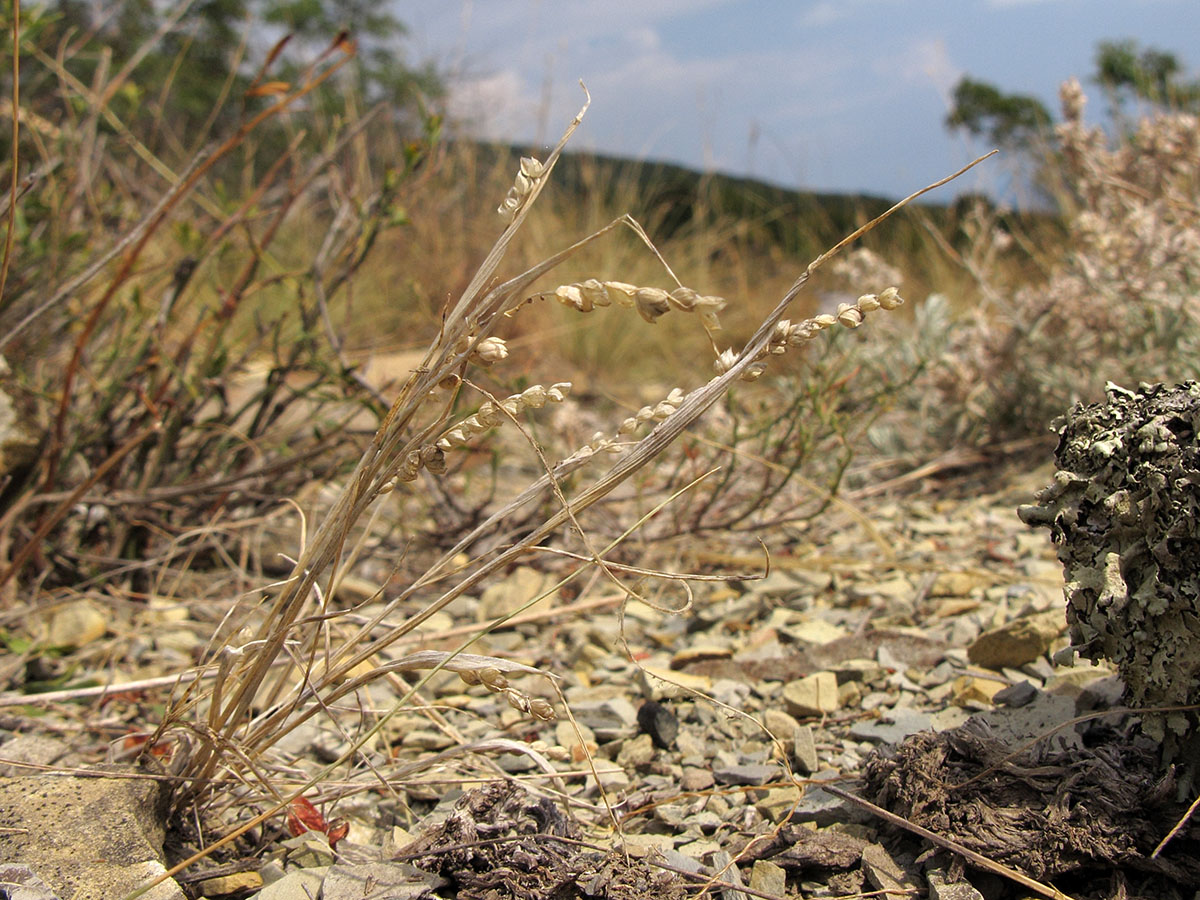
720, 741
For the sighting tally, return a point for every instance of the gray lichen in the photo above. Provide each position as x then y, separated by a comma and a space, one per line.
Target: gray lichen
1124, 512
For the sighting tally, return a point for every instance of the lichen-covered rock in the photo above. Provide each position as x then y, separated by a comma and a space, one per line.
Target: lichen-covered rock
1124, 511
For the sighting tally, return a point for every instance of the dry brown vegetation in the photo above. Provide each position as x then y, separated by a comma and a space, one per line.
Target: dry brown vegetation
250, 397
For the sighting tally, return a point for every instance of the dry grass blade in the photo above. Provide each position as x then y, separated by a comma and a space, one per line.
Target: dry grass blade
292, 624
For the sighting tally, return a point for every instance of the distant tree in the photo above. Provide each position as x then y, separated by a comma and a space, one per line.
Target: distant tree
379, 73
1012, 121
208, 55
1124, 70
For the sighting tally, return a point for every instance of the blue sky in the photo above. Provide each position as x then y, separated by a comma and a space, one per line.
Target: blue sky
837, 95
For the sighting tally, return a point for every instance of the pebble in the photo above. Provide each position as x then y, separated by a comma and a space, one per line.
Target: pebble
882, 872
783, 728
578, 744
636, 753
609, 719
893, 726
849, 695
777, 803
395, 881
659, 722
695, 778
506, 597
864, 671
238, 883
699, 653
1017, 642
939, 889
805, 754
813, 695
1071, 682
815, 631
700, 848
969, 690
1016, 695
954, 584
823, 808
75, 624
640, 845
747, 774
768, 878
297, 883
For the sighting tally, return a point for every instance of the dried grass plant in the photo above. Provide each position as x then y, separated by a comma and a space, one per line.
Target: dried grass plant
284, 657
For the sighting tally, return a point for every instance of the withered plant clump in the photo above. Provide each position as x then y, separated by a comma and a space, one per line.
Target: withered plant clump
1119, 298
1124, 511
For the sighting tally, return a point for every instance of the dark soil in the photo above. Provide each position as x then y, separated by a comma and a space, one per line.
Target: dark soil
1086, 819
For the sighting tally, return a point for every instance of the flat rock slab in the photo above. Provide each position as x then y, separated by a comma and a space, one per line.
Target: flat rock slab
87, 838
893, 727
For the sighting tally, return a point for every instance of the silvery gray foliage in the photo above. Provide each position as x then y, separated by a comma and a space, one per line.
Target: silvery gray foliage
1124, 512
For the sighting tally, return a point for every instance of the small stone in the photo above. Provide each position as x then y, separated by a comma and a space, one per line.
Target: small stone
76, 624
699, 653
309, 850
849, 695
1016, 695
379, 879
636, 752
723, 862
705, 821
1104, 693
887, 877
1017, 642
699, 849
894, 589
954, 584
806, 750
579, 744
863, 671
815, 632
508, 596
768, 878
783, 728
1072, 682
297, 883
950, 717
939, 889
747, 774
823, 808
237, 883
893, 726
971, 690
640, 845
609, 719
670, 814
426, 739
777, 803
695, 778
813, 695
659, 722
36, 749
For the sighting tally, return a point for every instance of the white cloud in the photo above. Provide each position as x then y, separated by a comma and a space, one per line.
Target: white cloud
493, 107
928, 60
823, 13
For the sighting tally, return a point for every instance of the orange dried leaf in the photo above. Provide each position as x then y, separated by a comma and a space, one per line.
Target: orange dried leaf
303, 816
338, 829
